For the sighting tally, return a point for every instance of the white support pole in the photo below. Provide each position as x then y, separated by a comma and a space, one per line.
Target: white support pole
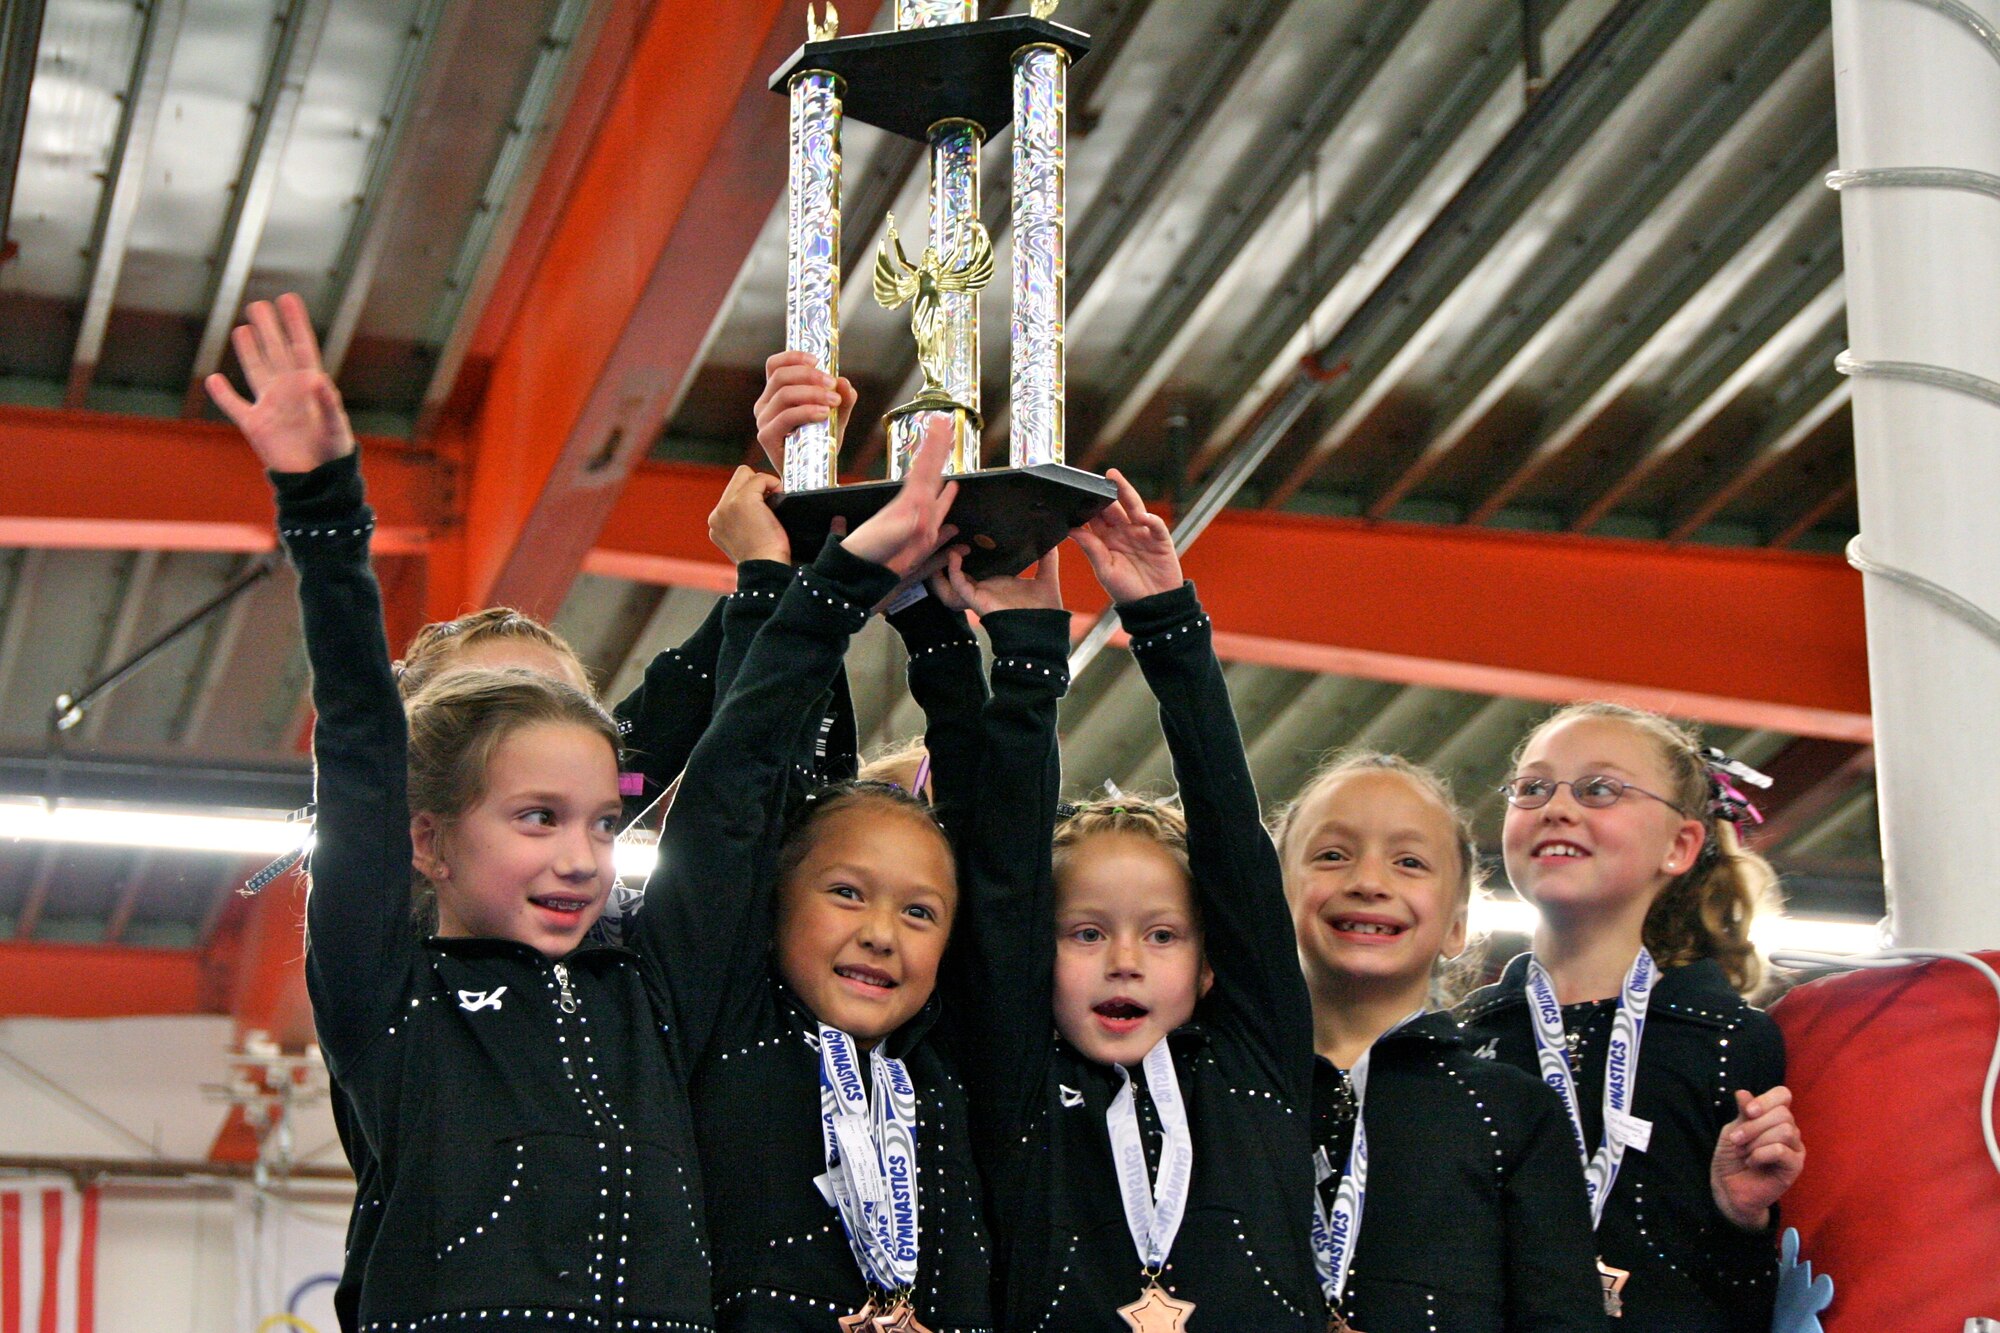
1918, 85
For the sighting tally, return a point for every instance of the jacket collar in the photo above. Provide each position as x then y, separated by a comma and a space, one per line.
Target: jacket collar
1698, 992
490, 947
1435, 1028
899, 1043
1183, 1041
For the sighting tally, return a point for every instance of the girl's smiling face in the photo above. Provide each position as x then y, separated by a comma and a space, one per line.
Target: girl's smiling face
864, 918
531, 859
1568, 858
1373, 874
1129, 964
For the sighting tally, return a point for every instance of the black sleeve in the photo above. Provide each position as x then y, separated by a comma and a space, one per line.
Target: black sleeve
1003, 968
1551, 1256
709, 892
1247, 925
829, 722
360, 936
666, 712
760, 585
1741, 1272
664, 716
945, 680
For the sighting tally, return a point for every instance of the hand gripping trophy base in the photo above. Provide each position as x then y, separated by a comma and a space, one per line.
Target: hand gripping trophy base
1008, 518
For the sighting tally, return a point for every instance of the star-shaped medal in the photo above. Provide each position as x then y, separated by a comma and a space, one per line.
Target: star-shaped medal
1614, 1280
1156, 1312
901, 1318
861, 1321
1337, 1323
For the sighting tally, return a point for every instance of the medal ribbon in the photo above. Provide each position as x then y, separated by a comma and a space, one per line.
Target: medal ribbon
1334, 1233
1621, 1072
1153, 1208
871, 1158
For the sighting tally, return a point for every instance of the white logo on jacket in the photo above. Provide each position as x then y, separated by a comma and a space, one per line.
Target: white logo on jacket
1070, 1096
472, 1001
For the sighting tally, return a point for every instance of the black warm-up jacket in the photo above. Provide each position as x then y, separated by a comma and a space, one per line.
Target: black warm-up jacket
1692, 1270
1064, 1257
1475, 1219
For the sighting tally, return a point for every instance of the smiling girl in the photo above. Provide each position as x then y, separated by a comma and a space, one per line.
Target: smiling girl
1449, 1195
1149, 1161
1621, 830
832, 1130
520, 1092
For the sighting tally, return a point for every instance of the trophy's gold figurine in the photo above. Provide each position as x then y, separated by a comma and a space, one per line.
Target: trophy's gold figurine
923, 284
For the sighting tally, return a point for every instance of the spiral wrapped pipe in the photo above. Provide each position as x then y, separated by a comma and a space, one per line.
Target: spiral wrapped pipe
1036, 351
812, 273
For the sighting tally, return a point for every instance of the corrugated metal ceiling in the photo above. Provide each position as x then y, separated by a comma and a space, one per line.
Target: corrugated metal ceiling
1633, 336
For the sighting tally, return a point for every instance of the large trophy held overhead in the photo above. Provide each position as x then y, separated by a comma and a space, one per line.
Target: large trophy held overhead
944, 79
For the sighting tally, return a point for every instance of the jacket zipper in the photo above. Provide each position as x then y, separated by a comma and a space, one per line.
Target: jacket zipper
568, 996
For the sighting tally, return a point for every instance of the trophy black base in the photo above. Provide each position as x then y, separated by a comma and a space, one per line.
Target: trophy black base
905, 82
1010, 517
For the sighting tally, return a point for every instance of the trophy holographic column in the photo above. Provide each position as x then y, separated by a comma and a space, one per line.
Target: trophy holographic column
950, 82
947, 335
1041, 74
812, 272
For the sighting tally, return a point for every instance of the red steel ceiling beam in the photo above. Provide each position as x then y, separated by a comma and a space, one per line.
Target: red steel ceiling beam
1750, 638
1754, 638
687, 163
48, 980
92, 480
1746, 638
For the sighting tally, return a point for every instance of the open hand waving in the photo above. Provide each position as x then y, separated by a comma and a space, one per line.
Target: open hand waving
296, 421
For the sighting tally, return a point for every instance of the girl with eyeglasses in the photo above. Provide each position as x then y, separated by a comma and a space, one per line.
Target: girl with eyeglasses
1620, 829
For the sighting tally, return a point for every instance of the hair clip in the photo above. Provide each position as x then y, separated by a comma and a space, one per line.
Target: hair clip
923, 776
1719, 762
257, 883
1726, 799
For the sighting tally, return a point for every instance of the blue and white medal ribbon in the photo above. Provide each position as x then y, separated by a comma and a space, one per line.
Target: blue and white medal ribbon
871, 1159
1153, 1207
1622, 1129
1335, 1231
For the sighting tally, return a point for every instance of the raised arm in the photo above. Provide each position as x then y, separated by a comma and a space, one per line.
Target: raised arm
712, 886
666, 712
946, 680
1003, 962
359, 935
1247, 928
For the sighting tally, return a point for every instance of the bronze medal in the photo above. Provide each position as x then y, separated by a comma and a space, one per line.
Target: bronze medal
1156, 1312
1336, 1322
1614, 1280
900, 1318
861, 1321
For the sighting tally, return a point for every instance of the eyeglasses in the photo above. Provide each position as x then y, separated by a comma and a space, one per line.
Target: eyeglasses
1594, 791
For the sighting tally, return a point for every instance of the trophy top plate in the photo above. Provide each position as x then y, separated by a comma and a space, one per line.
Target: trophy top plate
905, 82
